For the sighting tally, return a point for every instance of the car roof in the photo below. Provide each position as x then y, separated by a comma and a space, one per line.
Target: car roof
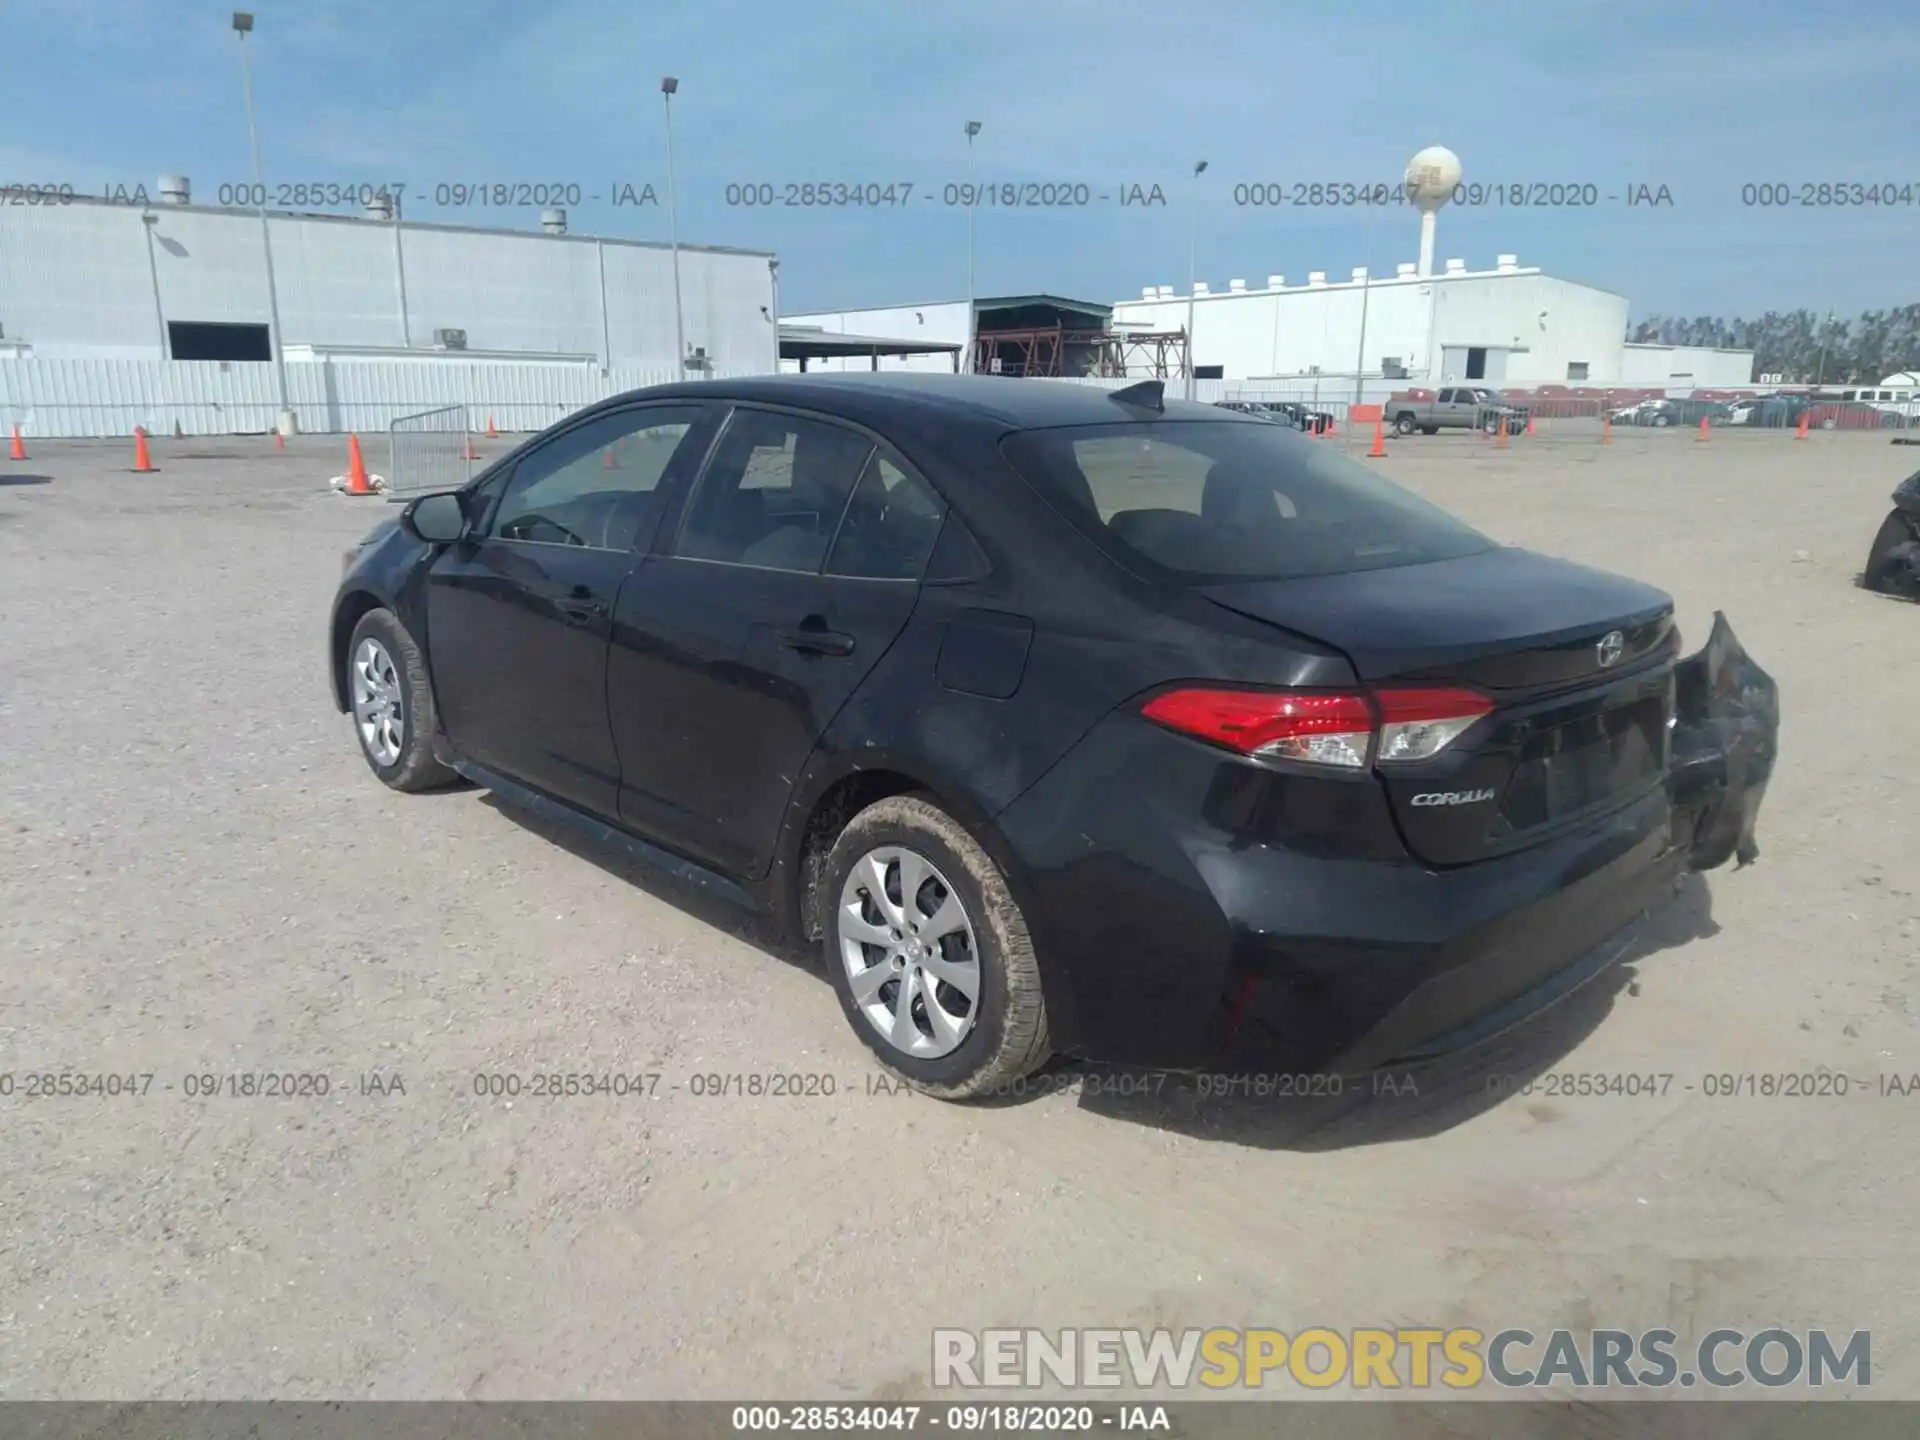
901, 398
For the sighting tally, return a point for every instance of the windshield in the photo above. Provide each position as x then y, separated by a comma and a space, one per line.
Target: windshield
1193, 501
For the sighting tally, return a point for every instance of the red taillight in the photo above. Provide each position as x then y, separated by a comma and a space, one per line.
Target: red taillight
1319, 728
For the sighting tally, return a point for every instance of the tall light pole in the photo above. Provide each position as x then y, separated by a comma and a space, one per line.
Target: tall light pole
668, 85
773, 283
1826, 333
1366, 289
148, 220
400, 276
242, 27
973, 129
1193, 268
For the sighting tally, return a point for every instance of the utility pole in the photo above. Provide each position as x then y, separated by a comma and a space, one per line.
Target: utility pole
669, 85
242, 27
1193, 267
973, 338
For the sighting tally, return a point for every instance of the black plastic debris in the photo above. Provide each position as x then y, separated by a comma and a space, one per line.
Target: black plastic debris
1726, 736
1893, 560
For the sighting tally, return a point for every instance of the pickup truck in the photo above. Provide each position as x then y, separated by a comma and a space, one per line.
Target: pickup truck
1461, 407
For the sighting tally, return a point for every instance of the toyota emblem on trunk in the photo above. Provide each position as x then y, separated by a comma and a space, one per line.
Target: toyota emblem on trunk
1611, 647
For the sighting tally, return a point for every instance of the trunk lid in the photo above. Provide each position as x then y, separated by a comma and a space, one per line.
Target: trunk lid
1574, 732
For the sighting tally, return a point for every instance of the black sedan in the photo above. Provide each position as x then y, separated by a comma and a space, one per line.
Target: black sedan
1062, 721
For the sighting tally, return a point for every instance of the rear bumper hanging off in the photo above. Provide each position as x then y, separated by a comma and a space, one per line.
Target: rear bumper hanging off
1726, 734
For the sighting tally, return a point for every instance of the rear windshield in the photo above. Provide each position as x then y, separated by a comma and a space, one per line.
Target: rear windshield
1226, 500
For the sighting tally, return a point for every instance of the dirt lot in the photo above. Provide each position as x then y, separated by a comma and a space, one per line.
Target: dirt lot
199, 877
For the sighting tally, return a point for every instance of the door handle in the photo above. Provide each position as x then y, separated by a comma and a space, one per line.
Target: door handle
818, 642
581, 612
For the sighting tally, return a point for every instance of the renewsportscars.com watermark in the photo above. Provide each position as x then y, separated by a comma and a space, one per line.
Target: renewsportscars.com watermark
1397, 1358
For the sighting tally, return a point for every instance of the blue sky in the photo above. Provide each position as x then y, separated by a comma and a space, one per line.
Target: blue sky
1702, 98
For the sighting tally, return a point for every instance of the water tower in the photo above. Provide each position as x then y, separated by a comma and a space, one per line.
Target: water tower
1431, 176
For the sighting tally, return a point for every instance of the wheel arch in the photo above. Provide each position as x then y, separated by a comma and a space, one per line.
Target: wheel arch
831, 794
348, 611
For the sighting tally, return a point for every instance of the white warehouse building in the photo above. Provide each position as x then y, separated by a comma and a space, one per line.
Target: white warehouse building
1507, 326
98, 279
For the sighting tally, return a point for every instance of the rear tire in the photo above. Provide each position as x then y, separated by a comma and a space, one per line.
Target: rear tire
960, 923
1403, 425
392, 704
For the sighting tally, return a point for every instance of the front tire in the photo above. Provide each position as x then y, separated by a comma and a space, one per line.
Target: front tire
929, 953
392, 700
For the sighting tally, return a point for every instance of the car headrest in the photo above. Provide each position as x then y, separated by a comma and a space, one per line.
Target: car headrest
1228, 498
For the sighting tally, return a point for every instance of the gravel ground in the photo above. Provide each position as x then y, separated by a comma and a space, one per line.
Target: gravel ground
199, 877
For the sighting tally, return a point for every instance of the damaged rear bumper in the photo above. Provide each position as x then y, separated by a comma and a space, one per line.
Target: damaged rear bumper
1726, 733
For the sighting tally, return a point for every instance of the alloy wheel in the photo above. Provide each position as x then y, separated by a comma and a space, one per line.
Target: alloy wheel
379, 702
908, 946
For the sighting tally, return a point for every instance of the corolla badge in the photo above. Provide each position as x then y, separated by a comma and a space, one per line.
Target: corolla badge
1611, 647
1453, 797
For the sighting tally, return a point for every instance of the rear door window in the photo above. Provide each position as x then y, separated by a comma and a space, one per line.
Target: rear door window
889, 527
1199, 501
773, 493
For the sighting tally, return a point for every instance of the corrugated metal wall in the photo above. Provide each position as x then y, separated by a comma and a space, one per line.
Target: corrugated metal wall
108, 398
86, 281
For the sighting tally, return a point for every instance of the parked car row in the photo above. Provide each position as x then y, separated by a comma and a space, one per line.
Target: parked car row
1283, 412
1784, 411
1663, 413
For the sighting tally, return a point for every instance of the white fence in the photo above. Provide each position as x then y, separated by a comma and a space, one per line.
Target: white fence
108, 398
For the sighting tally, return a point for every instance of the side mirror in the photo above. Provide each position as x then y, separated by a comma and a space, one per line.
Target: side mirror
436, 519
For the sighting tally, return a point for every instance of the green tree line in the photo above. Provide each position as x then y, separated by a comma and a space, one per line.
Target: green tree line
1802, 345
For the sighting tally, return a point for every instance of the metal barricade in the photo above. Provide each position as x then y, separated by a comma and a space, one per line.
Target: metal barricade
428, 452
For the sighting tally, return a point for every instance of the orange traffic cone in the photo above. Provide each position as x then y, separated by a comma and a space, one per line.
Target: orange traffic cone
492, 434
19, 447
1500, 436
472, 451
607, 462
1800, 431
279, 440
356, 469
142, 460
1529, 424
1606, 429
1703, 430
1379, 440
